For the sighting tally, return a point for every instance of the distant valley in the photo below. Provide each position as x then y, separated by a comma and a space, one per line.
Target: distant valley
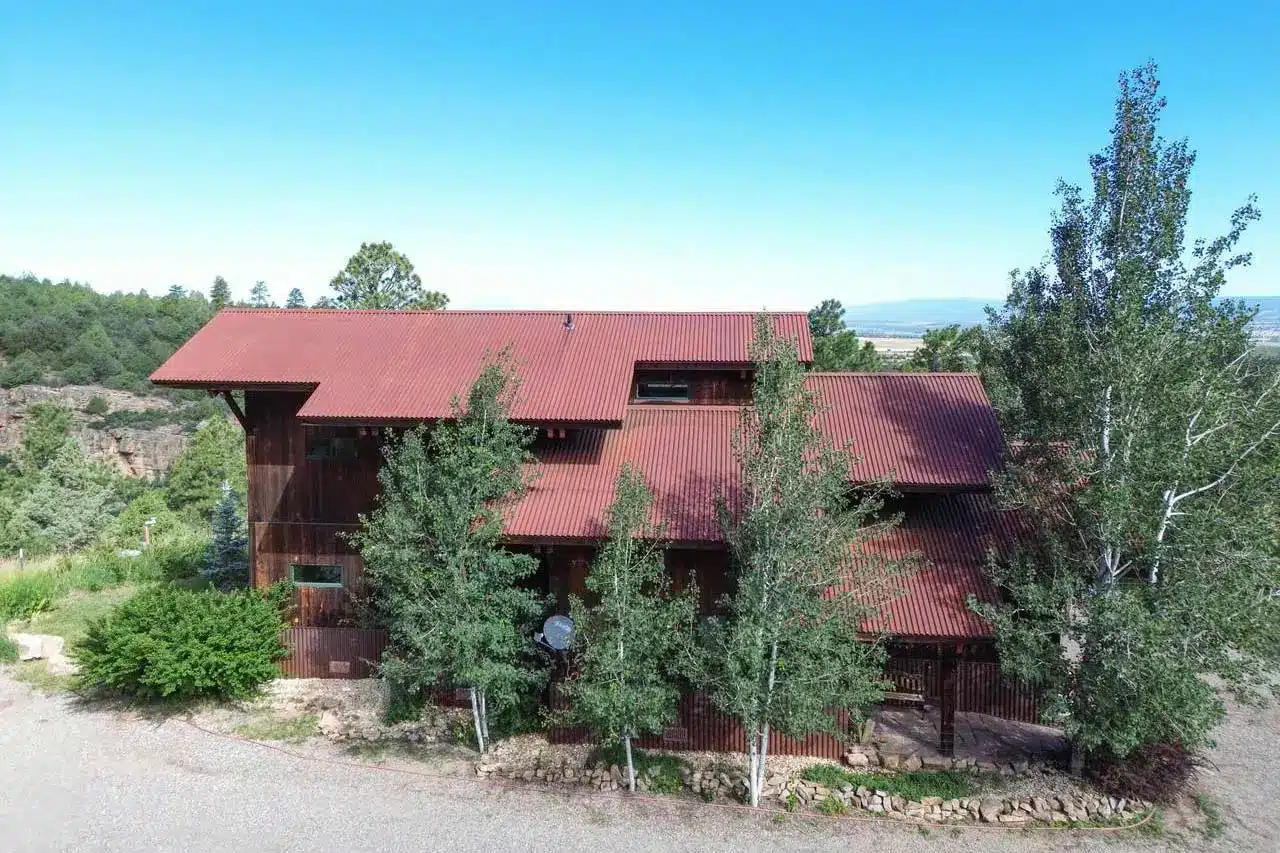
910, 318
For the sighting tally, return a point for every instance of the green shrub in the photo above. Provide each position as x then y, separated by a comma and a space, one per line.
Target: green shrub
832, 806
910, 785
664, 773
178, 644
8, 651
97, 405
22, 595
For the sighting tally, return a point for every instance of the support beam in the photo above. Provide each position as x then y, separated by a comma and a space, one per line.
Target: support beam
235, 408
947, 687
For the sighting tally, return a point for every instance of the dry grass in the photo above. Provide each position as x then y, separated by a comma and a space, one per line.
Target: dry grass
287, 729
36, 674
71, 614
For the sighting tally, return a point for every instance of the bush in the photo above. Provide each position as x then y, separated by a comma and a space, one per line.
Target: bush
22, 595
8, 651
665, 773
1156, 772
97, 405
170, 643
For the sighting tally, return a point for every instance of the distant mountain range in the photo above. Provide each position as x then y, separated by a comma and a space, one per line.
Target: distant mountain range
910, 318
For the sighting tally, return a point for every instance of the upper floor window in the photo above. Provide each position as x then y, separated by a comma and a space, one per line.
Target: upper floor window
670, 391
331, 447
314, 574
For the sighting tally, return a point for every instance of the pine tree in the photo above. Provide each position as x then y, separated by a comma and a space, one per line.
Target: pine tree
379, 276
216, 454
220, 294
295, 299
456, 604
629, 641
226, 561
790, 648
260, 296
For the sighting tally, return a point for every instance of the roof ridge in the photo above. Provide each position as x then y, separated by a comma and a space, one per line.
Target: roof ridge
891, 373
551, 312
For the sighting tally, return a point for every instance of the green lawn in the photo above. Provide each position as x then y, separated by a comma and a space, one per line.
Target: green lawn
72, 613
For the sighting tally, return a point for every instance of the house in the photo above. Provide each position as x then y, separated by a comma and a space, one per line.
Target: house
662, 391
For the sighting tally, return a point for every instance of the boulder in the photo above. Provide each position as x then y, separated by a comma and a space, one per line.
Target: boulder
912, 763
989, 809
30, 646
857, 759
891, 761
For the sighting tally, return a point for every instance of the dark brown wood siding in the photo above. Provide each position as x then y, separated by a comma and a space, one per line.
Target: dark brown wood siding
300, 508
706, 387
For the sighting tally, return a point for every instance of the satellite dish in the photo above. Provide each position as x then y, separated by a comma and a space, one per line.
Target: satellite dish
557, 633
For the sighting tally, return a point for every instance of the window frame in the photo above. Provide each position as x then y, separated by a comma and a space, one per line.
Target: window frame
340, 584
687, 397
329, 442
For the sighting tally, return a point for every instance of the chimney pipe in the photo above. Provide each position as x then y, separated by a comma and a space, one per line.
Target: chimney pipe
568, 322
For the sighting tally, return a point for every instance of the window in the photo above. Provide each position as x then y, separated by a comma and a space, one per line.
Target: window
315, 574
331, 447
667, 392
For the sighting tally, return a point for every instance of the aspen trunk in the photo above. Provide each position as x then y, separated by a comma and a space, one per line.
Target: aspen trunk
475, 718
631, 767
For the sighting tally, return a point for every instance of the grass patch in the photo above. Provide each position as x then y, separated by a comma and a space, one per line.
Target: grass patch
912, 785
664, 773
288, 729
832, 807
1213, 825
70, 615
37, 675
8, 651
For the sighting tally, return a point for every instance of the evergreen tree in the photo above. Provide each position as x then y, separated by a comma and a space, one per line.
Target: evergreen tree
176, 291
323, 302
70, 503
629, 640
46, 428
226, 561
1151, 432
260, 296
378, 276
790, 647
215, 455
456, 604
296, 299
220, 294
837, 348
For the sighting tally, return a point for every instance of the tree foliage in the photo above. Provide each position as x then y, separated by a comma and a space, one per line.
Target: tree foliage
789, 648
378, 276
1151, 434
215, 456
456, 604
951, 349
219, 294
45, 430
260, 296
837, 348
633, 630
226, 562
295, 299
66, 332
69, 503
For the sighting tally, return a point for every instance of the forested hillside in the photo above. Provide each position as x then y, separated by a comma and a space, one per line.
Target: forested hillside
68, 334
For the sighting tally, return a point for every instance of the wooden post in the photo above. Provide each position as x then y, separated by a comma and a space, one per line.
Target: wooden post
947, 702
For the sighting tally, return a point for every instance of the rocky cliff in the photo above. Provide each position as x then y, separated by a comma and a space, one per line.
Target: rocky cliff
137, 451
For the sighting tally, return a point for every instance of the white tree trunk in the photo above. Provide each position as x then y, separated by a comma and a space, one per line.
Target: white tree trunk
631, 767
475, 718
764, 755
753, 741
484, 714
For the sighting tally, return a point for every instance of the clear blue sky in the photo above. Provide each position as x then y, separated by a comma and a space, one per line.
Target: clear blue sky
603, 154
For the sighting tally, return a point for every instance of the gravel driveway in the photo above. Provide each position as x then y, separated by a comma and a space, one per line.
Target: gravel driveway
73, 779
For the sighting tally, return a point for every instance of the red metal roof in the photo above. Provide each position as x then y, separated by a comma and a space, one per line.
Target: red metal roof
686, 456
918, 429
408, 365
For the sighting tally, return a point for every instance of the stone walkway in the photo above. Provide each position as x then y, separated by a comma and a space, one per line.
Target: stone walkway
914, 731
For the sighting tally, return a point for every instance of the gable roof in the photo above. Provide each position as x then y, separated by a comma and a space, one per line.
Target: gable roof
408, 365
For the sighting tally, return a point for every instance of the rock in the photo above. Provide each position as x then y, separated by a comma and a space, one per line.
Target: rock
1040, 804
1021, 767
989, 809
912, 763
856, 759
1013, 818
936, 762
931, 801
890, 761
30, 646
868, 730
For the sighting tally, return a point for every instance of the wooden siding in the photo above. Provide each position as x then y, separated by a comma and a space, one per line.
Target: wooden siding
276, 546
332, 652
980, 687
706, 387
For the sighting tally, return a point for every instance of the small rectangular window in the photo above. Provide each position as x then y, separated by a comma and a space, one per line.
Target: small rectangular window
663, 391
331, 447
315, 574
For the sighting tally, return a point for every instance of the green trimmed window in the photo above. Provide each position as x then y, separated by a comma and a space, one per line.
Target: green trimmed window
331, 447
315, 574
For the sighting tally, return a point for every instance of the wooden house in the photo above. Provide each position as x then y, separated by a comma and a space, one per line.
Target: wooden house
662, 391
